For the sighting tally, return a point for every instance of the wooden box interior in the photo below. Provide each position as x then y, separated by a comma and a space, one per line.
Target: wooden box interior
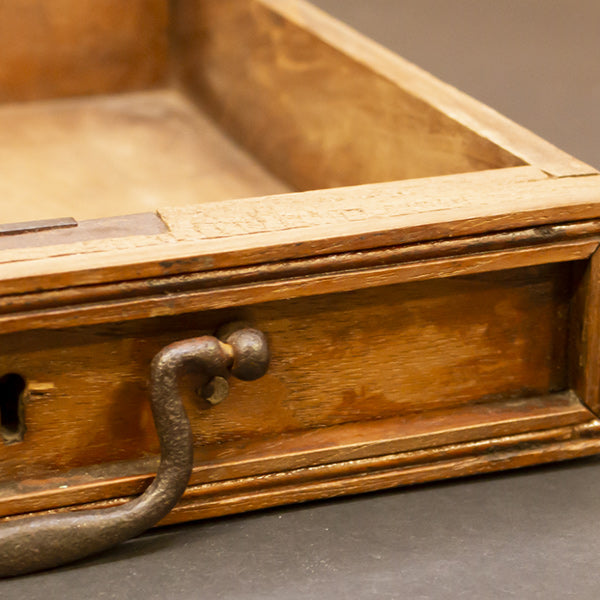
111, 108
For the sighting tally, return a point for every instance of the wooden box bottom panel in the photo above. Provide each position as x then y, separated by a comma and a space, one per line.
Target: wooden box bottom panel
148, 146
366, 389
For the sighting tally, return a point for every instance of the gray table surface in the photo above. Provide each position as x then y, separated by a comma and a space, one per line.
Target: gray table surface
525, 534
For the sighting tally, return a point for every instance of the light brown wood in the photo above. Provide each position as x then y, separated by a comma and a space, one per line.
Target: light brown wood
55, 48
356, 476
140, 302
467, 111
314, 114
246, 232
339, 272
495, 454
111, 155
323, 106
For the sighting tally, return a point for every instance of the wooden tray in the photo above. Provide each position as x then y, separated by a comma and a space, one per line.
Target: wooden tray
424, 270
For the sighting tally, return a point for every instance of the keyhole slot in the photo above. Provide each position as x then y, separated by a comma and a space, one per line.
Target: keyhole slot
12, 421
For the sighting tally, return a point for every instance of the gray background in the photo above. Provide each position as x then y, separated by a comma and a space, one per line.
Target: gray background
528, 534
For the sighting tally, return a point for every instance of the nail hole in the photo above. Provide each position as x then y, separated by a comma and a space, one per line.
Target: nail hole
12, 422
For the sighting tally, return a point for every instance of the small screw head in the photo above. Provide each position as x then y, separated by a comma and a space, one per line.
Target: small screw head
215, 391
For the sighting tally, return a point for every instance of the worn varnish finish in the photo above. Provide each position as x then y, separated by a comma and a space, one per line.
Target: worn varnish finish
336, 358
298, 454
439, 208
435, 316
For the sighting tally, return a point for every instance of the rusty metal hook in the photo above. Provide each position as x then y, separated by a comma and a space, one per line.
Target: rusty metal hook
43, 542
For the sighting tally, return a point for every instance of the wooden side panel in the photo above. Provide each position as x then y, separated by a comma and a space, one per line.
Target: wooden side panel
314, 114
343, 358
585, 333
471, 113
54, 48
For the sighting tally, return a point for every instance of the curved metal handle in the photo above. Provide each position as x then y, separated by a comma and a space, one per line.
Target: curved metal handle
43, 542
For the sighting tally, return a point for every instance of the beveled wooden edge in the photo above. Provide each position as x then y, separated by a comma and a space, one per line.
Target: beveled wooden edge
387, 470
360, 218
496, 454
320, 265
471, 113
302, 456
128, 303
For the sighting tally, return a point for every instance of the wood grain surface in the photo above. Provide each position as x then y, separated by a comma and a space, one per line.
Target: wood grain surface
585, 333
337, 358
56, 48
315, 115
112, 155
323, 106
428, 209
431, 306
247, 474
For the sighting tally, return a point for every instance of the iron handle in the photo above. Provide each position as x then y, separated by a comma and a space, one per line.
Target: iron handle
43, 542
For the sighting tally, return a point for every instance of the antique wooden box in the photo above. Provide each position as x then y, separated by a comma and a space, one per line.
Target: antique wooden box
416, 275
